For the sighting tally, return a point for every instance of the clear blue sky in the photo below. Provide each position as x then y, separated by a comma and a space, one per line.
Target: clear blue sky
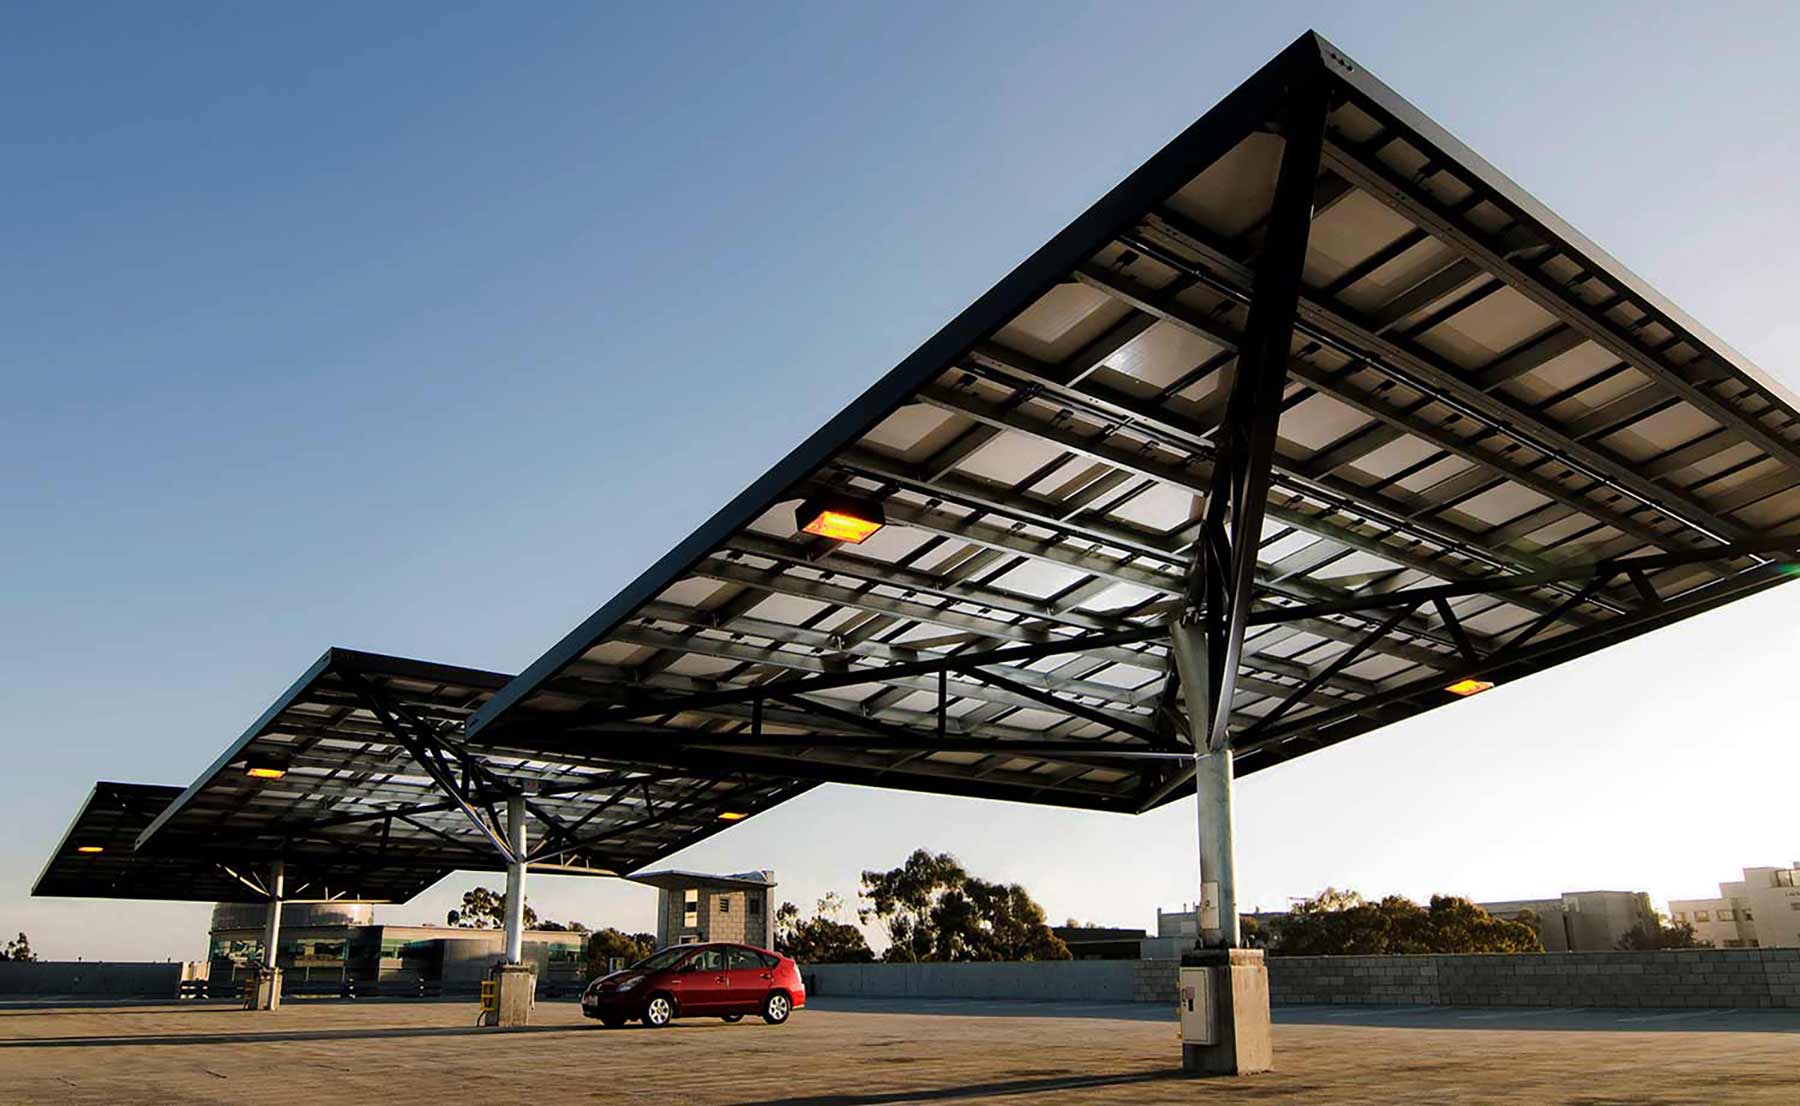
423, 328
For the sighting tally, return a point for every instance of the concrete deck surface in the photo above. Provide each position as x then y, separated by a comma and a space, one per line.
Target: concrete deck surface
879, 1052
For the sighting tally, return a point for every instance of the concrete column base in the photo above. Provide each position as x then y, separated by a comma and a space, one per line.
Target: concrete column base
262, 991
518, 992
1243, 1043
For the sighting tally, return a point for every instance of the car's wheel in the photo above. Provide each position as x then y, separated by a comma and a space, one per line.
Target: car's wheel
777, 1007
612, 1021
659, 1010
731, 1019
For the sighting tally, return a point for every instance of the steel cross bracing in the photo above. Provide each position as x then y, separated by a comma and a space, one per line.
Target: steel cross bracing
1517, 658
116, 813
1210, 631
376, 773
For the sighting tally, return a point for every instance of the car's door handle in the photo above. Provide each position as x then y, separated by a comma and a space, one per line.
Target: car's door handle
768, 975
720, 979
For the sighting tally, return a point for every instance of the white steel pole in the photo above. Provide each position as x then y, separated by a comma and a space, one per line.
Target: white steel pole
1217, 914
515, 880
1218, 849
272, 926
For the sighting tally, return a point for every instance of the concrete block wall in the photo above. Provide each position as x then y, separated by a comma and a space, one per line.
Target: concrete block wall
1048, 980
1155, 980
1409, 980
88, 977
1742, 978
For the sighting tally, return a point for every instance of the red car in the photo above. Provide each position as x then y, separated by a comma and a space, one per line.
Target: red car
726, 981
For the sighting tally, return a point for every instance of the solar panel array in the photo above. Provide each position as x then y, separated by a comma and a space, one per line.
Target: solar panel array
1475, 394
95, 859
364, 744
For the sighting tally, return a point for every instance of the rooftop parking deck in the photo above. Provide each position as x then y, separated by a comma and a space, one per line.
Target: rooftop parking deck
876, 1052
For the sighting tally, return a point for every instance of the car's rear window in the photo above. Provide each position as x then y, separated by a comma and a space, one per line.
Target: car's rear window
769, 960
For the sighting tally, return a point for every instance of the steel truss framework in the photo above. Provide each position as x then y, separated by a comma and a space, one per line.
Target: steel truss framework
113, 816
1314, 381
376, 777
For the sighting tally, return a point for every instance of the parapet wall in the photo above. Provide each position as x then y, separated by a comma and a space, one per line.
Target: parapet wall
1747, 978
1751, 978
56, 977
1039, 980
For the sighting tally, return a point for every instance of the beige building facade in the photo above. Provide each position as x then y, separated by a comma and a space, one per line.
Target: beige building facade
694, 907
1580, 921
1762, 910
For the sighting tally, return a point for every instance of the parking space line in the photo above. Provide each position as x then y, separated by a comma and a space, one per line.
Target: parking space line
1678, 1016
1382, 1011
1524, 1013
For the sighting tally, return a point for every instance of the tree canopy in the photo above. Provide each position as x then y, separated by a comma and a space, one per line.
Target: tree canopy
822, 938
19, 949
605, 944
934, 910
484, 908
1660, 933
561, 927
1343, 923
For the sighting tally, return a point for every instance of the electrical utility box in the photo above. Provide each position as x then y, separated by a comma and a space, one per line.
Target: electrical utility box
1194, 1000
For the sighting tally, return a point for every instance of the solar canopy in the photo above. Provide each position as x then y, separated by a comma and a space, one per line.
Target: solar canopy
1490, 449
94, 859
360, 765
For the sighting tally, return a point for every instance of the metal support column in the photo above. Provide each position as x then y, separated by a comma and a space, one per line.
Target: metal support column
515, 879
272, 926
514, 982
263, 988
1217, 907
1225, 988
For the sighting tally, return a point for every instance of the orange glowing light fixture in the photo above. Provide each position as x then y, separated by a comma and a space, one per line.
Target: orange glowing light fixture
259, 767
840, 517
1469, 687
90, 848
731, 815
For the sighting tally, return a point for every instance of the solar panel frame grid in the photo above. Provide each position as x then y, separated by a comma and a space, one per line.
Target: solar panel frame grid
1476, 395
114, 814
351, 738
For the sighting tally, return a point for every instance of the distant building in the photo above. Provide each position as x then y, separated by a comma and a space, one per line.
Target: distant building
1576, 921
1178, 923
1102, 942
1177, 930
1186, 923
326, 946
1580, 921
692, 907
1760, 910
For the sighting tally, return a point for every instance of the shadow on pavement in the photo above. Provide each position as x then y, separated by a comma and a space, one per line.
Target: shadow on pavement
347, 1034
1539, 1019
1545, 1019
158, 1009
996, 1008
1027, 1087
